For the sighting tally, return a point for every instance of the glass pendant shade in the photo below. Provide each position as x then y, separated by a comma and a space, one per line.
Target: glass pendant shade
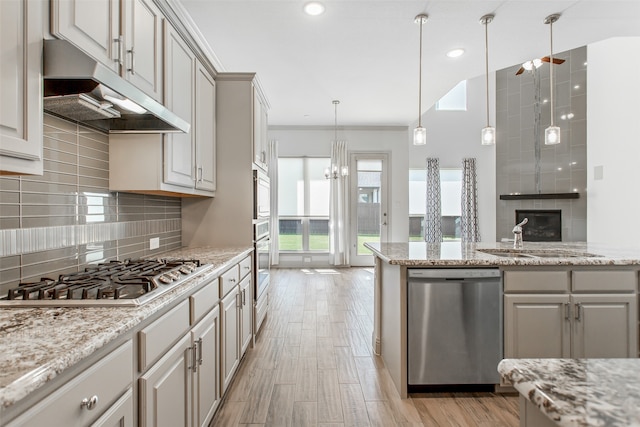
488, 135
552, 135
419, 136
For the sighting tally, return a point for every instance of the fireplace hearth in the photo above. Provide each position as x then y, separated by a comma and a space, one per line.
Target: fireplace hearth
545, 225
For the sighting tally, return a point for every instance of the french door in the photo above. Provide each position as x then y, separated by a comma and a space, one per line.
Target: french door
369, 214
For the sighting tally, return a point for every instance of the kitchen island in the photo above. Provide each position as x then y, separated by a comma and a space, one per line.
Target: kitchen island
576, 392
42, 347
556, 297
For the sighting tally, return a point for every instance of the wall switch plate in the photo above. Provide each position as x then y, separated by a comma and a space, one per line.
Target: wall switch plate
306, 259
154, 243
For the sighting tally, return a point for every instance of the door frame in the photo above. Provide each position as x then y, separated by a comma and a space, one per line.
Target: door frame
385, 218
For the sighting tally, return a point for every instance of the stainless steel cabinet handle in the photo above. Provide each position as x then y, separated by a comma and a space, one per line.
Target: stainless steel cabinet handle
578, 309
120, 43
199, 344
133, 61
567, 311
194, 357
89, 403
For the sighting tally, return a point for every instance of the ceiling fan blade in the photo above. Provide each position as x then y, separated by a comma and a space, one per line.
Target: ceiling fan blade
520, 71
555, 60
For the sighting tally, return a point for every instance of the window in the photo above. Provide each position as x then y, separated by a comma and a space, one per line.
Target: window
450, 196
303, 204
455, 99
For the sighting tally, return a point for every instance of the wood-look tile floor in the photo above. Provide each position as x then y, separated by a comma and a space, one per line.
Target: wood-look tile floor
312, 365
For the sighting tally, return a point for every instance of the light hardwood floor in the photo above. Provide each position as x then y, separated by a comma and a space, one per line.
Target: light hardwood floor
313, 365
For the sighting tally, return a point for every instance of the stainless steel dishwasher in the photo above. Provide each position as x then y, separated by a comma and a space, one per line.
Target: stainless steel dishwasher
454, 327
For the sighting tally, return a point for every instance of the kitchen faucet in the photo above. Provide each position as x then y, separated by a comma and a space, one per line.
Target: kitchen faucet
517, 234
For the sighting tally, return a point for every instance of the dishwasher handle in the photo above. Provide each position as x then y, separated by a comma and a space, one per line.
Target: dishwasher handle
453, 273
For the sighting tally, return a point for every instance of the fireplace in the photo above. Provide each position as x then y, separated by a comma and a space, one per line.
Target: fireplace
543, 225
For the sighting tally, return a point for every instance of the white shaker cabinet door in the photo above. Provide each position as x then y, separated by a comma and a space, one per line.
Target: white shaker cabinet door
93, 26
179, 90
143, 47
21, 88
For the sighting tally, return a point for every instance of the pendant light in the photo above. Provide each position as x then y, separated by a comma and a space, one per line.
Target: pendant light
488, 136
336, 171
552, 133
420, 133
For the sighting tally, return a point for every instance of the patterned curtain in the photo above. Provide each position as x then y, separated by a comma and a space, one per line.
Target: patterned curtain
274, 223
433, 213
469, 228
339, 208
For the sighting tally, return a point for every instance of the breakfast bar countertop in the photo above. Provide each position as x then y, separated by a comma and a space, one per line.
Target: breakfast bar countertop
458, 254
579, 392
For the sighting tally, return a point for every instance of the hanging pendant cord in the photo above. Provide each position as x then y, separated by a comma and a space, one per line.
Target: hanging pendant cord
335, 126
551, 68
420, 78
486, 61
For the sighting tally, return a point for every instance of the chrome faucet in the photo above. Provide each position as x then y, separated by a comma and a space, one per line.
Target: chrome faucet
517, 234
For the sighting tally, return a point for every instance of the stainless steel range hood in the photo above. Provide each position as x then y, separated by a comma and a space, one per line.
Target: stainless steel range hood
79, 88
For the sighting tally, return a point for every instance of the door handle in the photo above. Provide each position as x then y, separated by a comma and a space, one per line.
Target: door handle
567, 311
578, 309
133, 63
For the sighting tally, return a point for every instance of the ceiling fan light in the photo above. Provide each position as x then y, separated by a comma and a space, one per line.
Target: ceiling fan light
552, 135
489, 135
419, 136
537, 62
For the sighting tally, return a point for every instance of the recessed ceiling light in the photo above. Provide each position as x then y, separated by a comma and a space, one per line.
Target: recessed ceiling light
314, 8
454, 53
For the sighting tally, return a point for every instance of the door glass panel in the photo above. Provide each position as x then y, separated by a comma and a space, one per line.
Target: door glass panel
369, 174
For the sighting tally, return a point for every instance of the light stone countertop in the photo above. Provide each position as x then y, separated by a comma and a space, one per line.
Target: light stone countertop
457, 254
579, 392
38, 344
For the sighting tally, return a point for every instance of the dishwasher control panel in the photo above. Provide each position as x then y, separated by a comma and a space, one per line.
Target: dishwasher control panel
453, 273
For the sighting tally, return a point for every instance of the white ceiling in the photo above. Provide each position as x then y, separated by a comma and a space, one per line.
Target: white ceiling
365, 53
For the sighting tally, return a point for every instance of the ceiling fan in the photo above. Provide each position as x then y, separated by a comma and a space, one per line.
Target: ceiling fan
529, 65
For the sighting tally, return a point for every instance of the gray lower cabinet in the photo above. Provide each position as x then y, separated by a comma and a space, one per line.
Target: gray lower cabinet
120, 414
230, 319
584, 314
92, 396
182, 387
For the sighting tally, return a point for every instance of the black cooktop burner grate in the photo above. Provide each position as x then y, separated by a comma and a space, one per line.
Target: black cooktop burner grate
113, 280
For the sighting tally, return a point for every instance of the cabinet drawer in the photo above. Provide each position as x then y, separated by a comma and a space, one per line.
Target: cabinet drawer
156, 338
245, 266
229, 280
107, 379
536, 281
605, 281
204, 300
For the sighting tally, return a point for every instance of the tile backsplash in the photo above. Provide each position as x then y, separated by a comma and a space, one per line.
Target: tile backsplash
67, 218
563, 167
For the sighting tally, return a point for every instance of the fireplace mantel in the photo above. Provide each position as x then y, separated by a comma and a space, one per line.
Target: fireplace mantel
532, 196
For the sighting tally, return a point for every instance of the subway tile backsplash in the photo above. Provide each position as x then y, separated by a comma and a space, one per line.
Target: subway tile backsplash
67, 218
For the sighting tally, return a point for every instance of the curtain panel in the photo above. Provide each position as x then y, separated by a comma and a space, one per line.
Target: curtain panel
433, 212
339, 207
274, 223
469, 227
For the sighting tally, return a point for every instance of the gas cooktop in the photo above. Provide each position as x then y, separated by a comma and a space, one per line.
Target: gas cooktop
119, 283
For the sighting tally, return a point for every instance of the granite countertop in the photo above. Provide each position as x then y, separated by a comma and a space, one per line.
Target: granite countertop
38, 344
444, 254
579, 392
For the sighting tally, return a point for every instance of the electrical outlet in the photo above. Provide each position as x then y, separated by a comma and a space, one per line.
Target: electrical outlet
154, 243
306, 259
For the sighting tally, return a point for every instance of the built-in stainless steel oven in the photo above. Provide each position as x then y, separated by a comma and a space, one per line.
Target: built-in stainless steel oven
262, 195
262, 265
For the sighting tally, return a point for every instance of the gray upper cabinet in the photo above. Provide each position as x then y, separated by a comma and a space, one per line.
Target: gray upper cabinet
131, 46
143, 46
92, 25
173, 164
21, 101
180, 64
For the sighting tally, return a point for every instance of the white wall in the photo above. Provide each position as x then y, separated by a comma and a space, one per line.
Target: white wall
453, 135
613, 141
